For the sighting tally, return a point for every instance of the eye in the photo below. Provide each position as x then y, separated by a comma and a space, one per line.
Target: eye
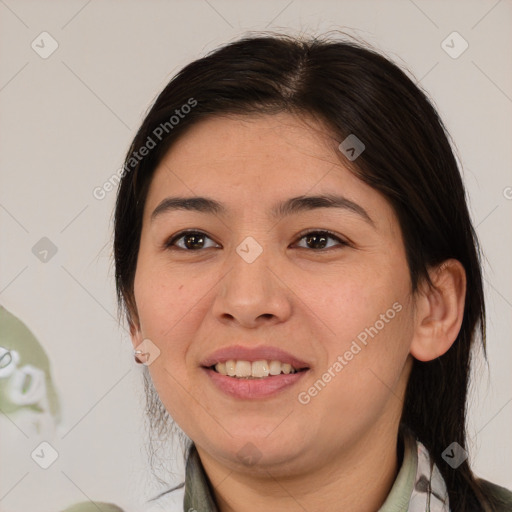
195, 240
319, 238
192, 240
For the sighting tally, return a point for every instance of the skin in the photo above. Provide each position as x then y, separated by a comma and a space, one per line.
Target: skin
339, 451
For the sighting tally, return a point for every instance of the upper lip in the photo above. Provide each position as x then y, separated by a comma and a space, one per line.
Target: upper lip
241, 353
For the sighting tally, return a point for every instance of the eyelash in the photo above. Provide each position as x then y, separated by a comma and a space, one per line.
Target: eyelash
170, 243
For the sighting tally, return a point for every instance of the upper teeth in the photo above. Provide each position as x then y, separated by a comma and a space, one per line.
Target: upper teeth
255, 369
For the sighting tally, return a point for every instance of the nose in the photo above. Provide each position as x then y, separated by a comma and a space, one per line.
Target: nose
252, 294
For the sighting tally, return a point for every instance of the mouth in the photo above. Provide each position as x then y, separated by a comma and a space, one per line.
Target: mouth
259, 369
249, 373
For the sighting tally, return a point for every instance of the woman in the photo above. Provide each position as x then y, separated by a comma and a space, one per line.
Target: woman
302, 282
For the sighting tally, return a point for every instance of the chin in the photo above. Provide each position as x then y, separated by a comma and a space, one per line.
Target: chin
260, 451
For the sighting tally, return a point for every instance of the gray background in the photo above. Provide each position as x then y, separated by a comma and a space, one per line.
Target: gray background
66, 123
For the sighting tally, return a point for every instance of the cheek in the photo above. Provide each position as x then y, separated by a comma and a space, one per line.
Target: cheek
369, 318
168, 310
165, 304
350, 300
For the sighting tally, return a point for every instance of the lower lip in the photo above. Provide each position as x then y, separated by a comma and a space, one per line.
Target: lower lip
254, 388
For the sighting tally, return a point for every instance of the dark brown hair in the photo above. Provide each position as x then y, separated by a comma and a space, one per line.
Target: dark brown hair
408, 158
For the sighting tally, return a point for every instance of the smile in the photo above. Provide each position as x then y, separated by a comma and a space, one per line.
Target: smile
242, 369
253, 372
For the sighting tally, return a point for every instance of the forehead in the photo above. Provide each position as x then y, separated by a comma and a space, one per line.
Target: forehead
253, 162
247, 146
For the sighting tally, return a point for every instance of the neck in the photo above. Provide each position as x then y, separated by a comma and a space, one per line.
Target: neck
355, 478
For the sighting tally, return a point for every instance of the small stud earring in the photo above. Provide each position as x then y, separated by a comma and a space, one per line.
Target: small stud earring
140, 353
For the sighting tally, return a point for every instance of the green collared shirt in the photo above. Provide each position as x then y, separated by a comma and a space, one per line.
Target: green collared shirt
199, 497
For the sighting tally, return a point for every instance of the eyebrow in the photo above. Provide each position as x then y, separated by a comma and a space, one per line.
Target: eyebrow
280, 210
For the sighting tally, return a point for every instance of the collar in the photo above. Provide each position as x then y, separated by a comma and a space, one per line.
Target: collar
417, 488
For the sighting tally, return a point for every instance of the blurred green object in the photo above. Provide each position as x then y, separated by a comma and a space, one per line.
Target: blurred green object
26, 384
25, 377
97, 506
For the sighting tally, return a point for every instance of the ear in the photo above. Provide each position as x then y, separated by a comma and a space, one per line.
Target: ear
135, 334
439, 311
135, 328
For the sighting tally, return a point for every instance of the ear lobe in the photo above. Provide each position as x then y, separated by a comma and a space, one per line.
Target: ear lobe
439, 311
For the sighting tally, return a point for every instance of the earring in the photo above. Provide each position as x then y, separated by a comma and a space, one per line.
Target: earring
146, 352
140, 353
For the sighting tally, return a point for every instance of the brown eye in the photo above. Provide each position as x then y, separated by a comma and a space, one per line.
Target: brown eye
190, 240
319, 239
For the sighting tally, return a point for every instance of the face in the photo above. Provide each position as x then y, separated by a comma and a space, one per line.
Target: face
338, 305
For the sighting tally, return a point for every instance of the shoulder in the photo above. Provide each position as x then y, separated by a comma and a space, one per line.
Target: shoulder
90, 506
502, 495
170, 501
